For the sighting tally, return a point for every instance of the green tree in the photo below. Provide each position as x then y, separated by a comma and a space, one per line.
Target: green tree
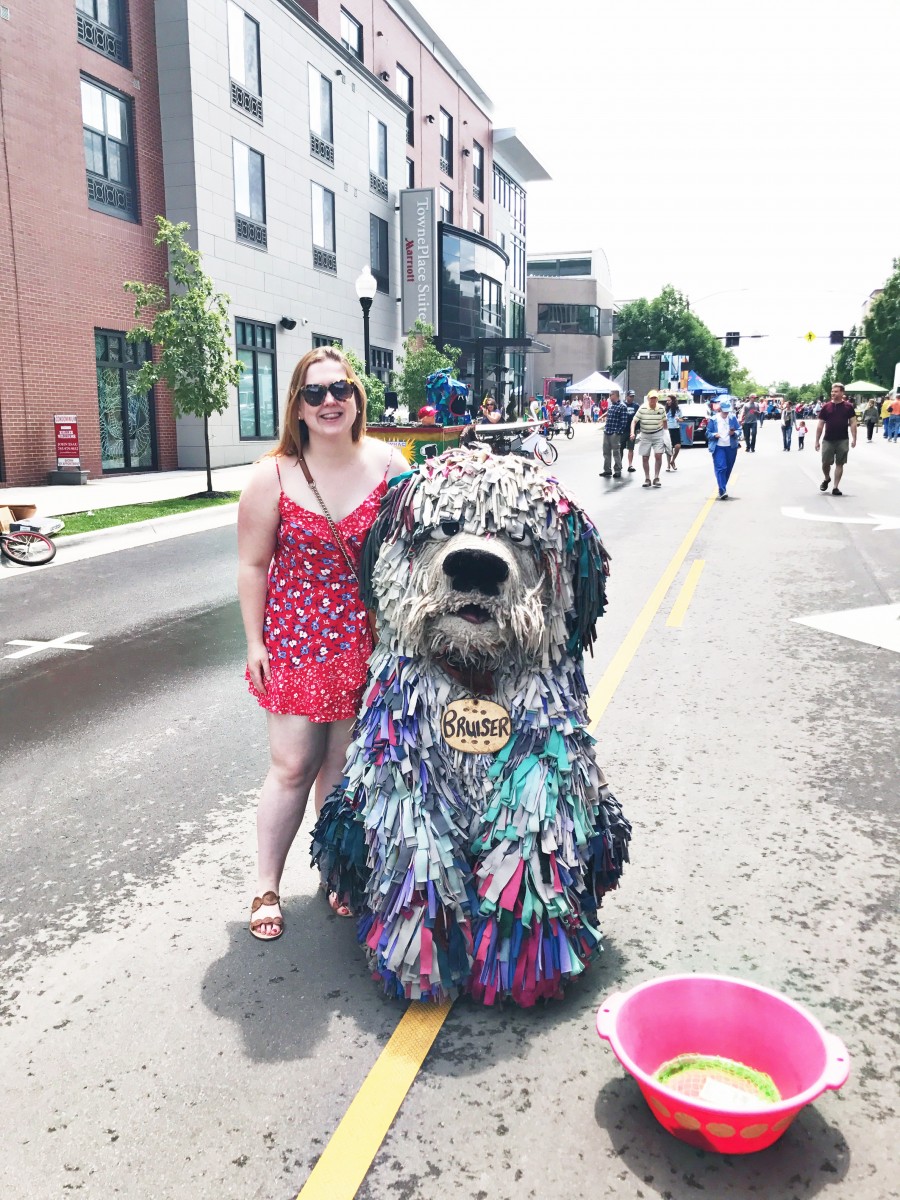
742, 384
189, 325
865, 366
666, 323
804, 393
420, 358
373, 385
882, 328
843, 362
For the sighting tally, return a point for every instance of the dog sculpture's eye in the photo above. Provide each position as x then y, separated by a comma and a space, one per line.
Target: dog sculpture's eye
446, 529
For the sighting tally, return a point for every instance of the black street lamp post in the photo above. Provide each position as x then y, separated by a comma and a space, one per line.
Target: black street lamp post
366, 287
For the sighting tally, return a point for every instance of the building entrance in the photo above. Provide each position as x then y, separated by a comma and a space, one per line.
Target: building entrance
127, 424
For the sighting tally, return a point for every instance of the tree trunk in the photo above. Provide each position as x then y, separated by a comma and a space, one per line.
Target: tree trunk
206, 447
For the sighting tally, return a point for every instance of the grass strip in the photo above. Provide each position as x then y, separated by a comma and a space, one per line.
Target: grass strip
127, 514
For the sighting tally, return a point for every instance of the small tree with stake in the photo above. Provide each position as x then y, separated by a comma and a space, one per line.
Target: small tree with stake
191, 330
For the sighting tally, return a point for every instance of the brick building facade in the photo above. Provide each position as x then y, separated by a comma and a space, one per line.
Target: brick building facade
63, 256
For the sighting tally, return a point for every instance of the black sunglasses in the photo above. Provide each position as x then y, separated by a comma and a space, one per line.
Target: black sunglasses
315, 393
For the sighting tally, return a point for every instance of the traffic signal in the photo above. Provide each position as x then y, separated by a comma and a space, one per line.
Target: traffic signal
837, 337
732, 339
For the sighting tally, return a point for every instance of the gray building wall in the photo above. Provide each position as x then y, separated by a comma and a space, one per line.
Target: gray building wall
199, 126
572, 354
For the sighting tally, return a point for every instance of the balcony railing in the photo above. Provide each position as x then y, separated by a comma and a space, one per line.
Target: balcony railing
320, 149
445, 165
91, 33
378, 185
251, 232
324, 260
106, 196
246, 102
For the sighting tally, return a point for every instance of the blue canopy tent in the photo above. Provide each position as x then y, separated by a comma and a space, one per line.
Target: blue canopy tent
696, 384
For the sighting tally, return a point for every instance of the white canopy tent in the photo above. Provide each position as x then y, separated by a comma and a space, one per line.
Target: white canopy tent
596, 384
863, 388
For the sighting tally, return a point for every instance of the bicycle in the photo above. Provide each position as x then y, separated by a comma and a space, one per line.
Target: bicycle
27, 548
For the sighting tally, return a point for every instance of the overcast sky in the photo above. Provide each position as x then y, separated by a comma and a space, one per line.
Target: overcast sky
743, 150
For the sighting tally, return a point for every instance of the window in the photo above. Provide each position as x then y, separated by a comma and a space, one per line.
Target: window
446, 143
491, 302
321, 124
127, 428
477, 171
378, 157
446, 205
323, 339
351, 34
478, 221
324, 257
381, 364
243, 62
108, 151
404, 89
378, 252
250, 196
410, 173
569, 318
101, 25
255, 345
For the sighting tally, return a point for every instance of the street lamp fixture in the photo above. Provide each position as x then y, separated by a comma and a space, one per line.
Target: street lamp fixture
366, 287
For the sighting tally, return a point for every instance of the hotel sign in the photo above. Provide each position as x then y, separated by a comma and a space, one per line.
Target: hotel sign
418, 236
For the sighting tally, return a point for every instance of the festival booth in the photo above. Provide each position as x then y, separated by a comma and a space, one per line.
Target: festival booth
596, 384
447, 401
696, 414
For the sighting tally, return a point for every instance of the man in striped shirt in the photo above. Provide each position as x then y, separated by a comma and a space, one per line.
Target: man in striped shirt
651, 417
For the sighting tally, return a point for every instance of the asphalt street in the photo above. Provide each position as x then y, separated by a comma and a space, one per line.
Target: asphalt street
150, 1049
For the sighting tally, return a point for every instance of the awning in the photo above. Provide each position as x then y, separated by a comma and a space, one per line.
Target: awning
595, 384
696, 384
864, 389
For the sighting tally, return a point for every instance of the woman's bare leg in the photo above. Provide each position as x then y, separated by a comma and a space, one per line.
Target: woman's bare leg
332, 769
297, 749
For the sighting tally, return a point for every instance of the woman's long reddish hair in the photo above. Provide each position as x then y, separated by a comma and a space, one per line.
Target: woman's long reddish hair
294, 433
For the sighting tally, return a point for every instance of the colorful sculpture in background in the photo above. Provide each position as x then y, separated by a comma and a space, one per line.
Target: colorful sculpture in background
448, 396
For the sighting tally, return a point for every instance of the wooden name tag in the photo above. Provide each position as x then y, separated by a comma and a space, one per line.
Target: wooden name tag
475, 726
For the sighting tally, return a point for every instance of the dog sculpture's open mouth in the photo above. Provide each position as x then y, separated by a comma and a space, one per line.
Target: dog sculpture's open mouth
473, 613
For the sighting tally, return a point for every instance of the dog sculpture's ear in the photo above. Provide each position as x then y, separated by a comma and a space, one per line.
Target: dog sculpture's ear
393, 516
588, 562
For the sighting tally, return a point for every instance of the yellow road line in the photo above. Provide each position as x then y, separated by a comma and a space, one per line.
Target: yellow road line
680, 607
345, 1160
612, 676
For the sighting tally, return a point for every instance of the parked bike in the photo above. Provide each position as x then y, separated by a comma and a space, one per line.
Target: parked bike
27, 548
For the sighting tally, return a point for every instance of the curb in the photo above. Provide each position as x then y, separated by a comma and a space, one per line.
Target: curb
151, 526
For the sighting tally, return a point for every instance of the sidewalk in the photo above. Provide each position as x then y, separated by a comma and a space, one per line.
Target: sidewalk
115, 490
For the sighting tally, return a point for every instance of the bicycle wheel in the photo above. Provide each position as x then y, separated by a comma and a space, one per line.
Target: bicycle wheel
29, 549
570, 432
546, 453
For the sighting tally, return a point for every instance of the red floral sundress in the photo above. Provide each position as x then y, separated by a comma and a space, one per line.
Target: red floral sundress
316, 629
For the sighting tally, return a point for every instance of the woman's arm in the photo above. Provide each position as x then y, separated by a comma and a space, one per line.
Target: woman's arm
257, 532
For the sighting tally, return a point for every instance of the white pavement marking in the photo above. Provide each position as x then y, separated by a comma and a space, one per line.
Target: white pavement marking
876, 626
875, 519
60, 643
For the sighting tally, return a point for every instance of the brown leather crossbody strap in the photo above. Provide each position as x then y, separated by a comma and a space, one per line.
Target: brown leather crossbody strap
327, 515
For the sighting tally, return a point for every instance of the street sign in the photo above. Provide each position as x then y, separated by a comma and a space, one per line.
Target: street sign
809, 337
65, 430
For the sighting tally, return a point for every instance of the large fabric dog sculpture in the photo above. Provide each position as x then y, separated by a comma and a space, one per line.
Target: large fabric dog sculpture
479, 872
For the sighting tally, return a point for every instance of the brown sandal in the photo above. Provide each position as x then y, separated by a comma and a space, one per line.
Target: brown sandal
339, 907
266, 900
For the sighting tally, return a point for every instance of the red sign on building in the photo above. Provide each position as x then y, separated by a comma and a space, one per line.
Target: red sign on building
65, 427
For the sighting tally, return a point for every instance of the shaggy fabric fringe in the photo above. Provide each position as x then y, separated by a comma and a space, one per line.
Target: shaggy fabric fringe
478, 873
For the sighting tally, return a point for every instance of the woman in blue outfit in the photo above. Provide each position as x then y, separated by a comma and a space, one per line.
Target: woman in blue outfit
723, 436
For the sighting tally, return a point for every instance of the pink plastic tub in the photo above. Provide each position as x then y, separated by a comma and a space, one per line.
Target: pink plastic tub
713, 1015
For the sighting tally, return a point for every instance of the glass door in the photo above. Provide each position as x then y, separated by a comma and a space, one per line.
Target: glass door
127, 434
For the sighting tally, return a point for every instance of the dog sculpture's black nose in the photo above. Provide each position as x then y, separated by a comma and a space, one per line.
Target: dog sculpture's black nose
476, 571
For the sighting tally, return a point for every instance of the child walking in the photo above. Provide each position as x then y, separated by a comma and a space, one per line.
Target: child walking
801, 434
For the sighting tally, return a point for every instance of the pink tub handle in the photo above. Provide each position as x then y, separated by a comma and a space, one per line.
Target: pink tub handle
607, 1013
838, 1067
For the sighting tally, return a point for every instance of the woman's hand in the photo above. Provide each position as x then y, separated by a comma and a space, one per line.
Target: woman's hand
258, 665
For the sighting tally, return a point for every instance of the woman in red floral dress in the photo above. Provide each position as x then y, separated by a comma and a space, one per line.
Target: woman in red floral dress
308, 638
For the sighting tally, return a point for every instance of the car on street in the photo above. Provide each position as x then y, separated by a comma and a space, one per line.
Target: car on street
693, 426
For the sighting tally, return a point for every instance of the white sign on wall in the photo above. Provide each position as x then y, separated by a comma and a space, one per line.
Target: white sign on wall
418, 238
